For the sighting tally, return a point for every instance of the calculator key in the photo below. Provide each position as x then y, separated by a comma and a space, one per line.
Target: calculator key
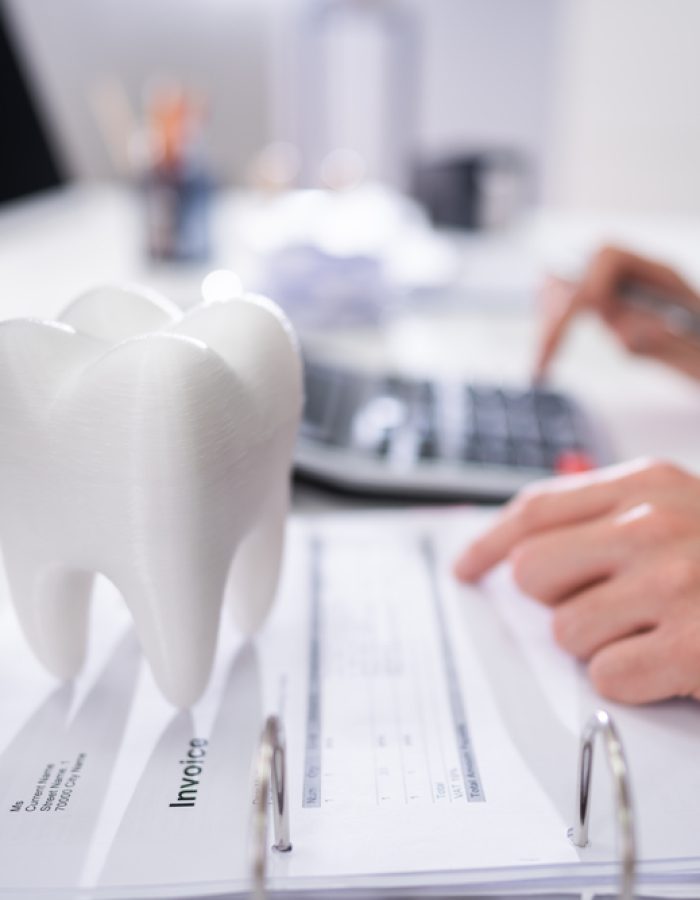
571, 461
374, 422
321, 389
520, 403
470, 451
560, 430
530, 455
523, 427
428, 446
551, 456
424, 419
550, 404
492, 450
489, 414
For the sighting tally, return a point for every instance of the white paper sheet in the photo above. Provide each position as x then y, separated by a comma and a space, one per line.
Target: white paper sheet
431, 732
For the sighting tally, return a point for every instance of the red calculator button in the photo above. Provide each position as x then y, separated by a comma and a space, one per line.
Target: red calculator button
571, 461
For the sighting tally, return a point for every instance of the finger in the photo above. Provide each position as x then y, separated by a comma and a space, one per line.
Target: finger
560, 302
592, 619
647, 335
564, 501
682, 354
598, 291
639, 332
556, 564
595, 291
661, 663
553, 565
612, 266
557, 502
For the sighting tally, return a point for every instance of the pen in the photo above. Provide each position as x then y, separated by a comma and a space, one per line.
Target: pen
676, 316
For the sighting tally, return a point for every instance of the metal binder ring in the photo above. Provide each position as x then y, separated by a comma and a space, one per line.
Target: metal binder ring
271, 773
601, 723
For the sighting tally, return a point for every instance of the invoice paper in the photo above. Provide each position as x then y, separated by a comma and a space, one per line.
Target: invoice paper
432, 733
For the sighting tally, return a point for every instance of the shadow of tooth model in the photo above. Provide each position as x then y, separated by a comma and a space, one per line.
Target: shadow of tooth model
188, 819
54, 775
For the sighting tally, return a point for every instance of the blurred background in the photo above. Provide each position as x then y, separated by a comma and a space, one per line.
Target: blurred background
345, 155
597, 98
372, 165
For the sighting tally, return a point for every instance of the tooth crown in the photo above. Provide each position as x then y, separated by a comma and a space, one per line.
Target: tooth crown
159, 459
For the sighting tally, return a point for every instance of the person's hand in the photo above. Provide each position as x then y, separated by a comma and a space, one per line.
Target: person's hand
617, 554
599, 291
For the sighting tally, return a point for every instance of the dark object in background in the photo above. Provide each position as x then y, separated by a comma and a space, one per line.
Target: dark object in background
483, 189
177, 214
28, 162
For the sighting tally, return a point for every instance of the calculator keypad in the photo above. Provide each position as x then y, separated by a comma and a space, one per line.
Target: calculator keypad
419, 421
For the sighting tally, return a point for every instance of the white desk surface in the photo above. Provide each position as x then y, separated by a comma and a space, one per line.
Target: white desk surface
56, 246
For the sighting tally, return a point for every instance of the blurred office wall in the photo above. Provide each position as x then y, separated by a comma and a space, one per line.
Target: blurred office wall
626, 109
484, 69
488, 73
483, 75
601, 95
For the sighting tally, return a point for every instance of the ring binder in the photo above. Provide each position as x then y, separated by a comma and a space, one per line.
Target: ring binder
600, 723
271, 776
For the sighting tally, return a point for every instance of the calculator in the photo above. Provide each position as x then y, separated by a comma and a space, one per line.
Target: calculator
393, 436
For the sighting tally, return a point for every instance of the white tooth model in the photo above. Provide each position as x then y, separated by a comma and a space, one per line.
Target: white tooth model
155, 448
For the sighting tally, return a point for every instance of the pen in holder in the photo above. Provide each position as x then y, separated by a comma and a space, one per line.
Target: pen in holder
271, 777
600, 723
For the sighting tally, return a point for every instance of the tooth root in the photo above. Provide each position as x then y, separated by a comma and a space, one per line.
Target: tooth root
247, 333
52, 607
256, 563
170, 510
176, 616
